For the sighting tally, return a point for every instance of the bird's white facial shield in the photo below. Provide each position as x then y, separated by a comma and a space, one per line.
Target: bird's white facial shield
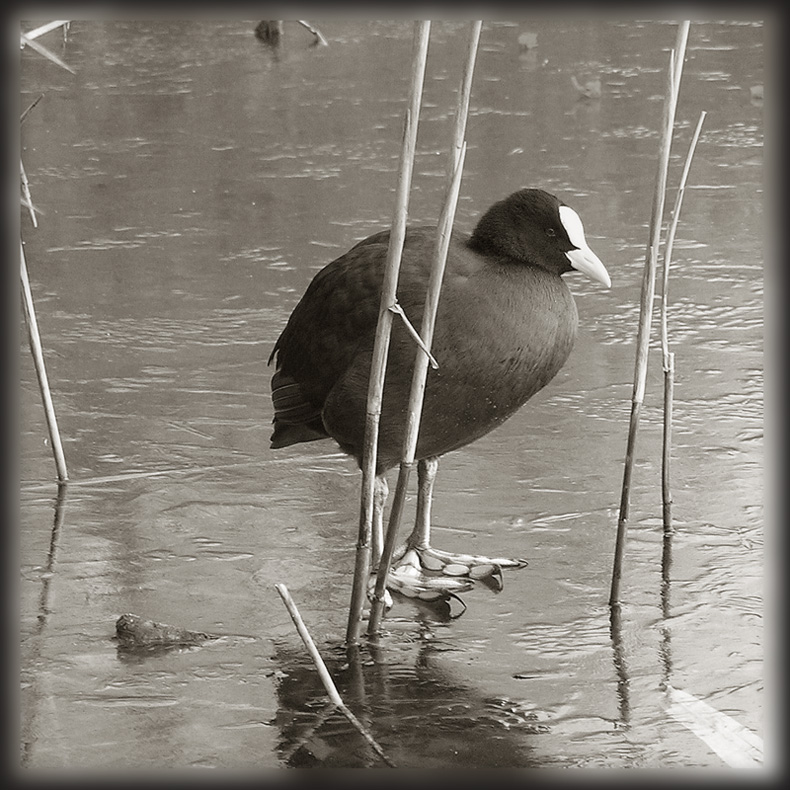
583, 259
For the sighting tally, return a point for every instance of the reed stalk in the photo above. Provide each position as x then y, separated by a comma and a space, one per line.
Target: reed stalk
33, 44
646, 301
39, 31
314, 30
27, 199
41, 371
383, 330
667, 355
30, 107
457, 156
323, 672
414, 411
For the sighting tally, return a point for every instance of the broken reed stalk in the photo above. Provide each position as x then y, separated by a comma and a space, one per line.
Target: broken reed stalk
323, 672
41, 371
455, 168
314, 30
383, 329
33, 44
39, 31
646, 301
667, 355
30, 107
27, 200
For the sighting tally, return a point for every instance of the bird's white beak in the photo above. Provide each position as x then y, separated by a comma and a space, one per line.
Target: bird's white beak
586, 261
582, 259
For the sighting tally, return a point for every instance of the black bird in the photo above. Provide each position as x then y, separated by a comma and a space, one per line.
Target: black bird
505, 325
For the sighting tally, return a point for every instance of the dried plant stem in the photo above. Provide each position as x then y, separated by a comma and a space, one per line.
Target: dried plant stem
646, 301
413, 420
667, 355
39, 31
666, 450
323, 672
30, 107
41, 371
314, 30
33, 44
399, 311
28, 200
447, 217
383, 330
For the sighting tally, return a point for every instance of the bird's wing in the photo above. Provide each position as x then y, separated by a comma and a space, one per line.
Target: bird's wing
337, 313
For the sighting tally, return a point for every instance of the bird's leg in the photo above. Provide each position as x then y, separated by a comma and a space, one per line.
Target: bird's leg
380, 493
418, 553
420, 537
406, 575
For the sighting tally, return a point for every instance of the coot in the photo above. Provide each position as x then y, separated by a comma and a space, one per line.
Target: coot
505, 325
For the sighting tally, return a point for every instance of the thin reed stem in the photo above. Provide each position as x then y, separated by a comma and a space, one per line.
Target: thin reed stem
647, 297
30, 107
41, 370
383, 329
666, 451
323, 672
667, 355
672, 231
28, 201
314, 30
415, 399
39, 31
457, 156
413, 419
33, 44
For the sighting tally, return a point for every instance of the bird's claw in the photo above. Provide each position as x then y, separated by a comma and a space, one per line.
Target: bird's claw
452, 564
407, 578
433, 575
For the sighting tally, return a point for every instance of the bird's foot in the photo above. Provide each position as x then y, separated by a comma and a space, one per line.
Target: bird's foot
408, 577
455, 565
431, 574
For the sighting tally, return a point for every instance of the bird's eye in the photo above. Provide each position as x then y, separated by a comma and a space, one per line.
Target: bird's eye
551, 233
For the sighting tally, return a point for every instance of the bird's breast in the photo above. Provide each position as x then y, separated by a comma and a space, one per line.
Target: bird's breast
497, 342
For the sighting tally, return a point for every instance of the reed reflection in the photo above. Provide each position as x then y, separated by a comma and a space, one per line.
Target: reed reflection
413, 706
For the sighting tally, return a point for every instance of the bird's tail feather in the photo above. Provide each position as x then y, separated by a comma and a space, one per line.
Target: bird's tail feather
295, 418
